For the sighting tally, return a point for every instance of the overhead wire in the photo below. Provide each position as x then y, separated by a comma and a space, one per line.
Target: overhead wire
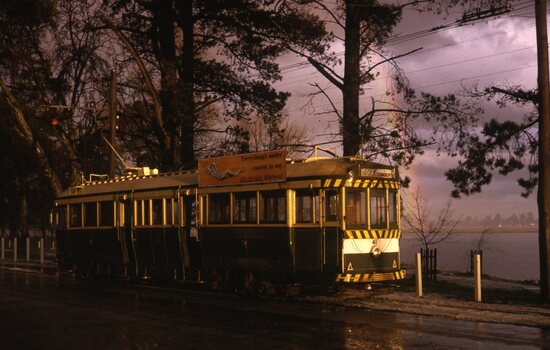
422, 33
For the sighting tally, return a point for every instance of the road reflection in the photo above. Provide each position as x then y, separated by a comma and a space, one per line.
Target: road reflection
56, 312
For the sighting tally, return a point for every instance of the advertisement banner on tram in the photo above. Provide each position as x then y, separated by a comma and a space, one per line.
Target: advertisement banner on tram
243, 169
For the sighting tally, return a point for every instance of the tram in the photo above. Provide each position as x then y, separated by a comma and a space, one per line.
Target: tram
243, 220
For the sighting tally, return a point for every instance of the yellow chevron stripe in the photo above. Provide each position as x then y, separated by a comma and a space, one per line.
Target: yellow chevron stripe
371, 234
370, 277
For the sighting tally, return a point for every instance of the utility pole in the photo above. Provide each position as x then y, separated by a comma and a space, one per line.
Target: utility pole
112, 124
543, 194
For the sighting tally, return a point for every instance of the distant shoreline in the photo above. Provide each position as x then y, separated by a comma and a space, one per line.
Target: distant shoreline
495, 229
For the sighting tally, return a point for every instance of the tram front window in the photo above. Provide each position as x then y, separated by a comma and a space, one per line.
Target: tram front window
378, 208
331, 205
356, 207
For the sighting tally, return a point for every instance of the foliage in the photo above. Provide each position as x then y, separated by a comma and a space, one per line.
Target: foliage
429, 229
500, 146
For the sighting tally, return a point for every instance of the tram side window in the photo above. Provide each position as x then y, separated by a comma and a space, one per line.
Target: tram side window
156, 212
307, 206
378, 207
75, 215
218, 208
273, 207
139, 213
90, 214
106, 213
356, 206
392, 203
331, 205
62, 216
244, 207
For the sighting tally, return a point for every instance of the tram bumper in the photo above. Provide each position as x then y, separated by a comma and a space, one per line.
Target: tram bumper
370, 277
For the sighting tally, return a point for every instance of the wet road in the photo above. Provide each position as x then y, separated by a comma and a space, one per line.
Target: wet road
42, 311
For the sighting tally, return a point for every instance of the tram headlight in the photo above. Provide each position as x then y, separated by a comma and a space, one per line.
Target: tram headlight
375, 251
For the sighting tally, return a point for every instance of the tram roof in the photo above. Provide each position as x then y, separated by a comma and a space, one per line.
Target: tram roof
328, 167
295, 169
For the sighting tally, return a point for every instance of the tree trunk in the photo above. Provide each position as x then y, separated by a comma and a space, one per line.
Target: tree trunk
187, 84
350, 123
24, 131
166, 55
544, 149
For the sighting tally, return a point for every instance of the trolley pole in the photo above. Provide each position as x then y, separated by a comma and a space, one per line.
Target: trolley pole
112, 124
543, 194
419, 275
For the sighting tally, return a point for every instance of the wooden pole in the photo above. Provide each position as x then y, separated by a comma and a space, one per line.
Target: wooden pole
477, 279
28, 248
15, 249
42, 251
419, 275
543, 195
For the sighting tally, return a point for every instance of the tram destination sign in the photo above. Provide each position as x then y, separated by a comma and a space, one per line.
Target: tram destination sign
243, 169
376, 172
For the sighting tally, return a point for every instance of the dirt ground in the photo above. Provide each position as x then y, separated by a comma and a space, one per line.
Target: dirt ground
452, 296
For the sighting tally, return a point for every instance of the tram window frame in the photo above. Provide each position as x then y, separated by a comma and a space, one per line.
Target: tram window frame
171, 210
378, 207
360, 217
393, 211
106, 211
75, 215
249, 201
275, 200
156, 212
90, 214
307, 206
219, 208
331, 205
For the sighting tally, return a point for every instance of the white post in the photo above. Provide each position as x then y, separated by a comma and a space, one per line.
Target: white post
477, 274
418, 274
28, 248
41, 242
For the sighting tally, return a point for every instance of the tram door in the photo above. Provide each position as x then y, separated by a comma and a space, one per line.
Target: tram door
128, 242
192, 253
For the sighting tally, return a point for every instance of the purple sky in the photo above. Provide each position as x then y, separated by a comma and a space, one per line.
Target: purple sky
497, 50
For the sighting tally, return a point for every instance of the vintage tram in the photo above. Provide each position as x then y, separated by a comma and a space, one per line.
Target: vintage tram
243, 219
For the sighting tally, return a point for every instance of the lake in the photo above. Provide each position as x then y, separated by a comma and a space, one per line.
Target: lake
512, 256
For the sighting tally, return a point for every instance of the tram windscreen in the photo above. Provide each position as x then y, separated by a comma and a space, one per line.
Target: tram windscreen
356, 206
378, 208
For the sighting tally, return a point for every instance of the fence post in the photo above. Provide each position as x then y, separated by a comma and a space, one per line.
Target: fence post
419, 274
435, 264
15, 249
477, 268
28, 248
41, 242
